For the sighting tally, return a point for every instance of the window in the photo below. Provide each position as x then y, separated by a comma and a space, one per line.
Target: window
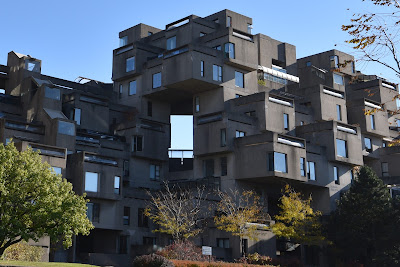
130, 64
230, 50
127, 216
77, 115
123, 244
239, 79
171, 43
351, 176
32, 66
57, 170
339, 112
149, 241
157, 80
91, 181
334, 61
311, 170
398, 123
372, 118
208, 167
223, 137
303, 167
216, 20
368, 144
353, 67
149, 108
132, 88
301, 123
218, 47
217, 73
149, 33
237, 95
93, 211
143, 220
66, 128
338, 79
202, 34
240, 134
398, 103
155, 172
308, 63
228, 21
249, 27
202, 68
52, 93
385, 169
277, 162
336, 175
125, 168
197, 103
117, 184
223, 243
285, 121
341, 148
123, 41
120, 90
224, 166
137, 143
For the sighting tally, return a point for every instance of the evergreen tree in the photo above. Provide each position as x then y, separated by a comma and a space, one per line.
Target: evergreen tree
363, 226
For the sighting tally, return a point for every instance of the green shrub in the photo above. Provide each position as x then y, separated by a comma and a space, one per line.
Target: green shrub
21, 251
152, 260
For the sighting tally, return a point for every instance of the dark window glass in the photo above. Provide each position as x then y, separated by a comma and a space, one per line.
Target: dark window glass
208, 167
127, 215
224, 166
143, 220
149, 109
223, 137
202, 68
223, 243
372, 117
93, 212
302, 166
137, 143
385, 169
339, 112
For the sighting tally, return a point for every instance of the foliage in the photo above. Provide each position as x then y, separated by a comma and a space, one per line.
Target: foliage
152, 260
179, 212
183, 250
364, 226
261, 82
255, 258
376, 35
34, 201
183, 263
21, 251
236, 210
296, 220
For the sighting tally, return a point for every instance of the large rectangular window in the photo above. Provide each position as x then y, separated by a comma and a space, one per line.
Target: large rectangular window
277, 162
117, 184
157, 80
208, 167
137, 143
338, 79
202, 68
239, 79
372, 118
368, 144
171, 43
217, 73
224, 166
341, 148
230, 50
223, 243
91, 182
302, 166
132, 88
66, 128
143, 220
311, 171
93, 212
155, 172
336, 175
339, 112
385, 169
285, 121
223, 137
127, 216
130, 64
52, 93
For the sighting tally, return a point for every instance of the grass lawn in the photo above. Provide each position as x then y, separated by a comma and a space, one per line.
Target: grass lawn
42, 264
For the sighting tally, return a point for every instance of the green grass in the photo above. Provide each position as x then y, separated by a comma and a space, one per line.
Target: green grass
42, 264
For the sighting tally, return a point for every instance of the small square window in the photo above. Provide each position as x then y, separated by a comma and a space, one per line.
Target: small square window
93, 212
230, 50
137, 143
338, 79
143, 220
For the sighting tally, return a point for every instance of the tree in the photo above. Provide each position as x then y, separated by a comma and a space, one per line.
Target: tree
34, 201
237, 212
376, 35
178, 211
364, 226
297, 221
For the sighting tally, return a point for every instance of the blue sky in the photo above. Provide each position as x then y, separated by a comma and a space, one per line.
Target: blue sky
76, 38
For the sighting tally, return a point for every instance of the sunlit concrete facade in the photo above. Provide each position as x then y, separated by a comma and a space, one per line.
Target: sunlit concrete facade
261, 119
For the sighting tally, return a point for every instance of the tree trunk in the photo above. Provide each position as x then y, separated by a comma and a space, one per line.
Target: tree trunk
2, 249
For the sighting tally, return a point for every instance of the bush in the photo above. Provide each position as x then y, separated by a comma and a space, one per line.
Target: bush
183, 263
183, 250
255, 258
21, 251
152, 260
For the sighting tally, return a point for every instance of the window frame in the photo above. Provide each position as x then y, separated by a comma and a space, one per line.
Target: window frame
86, 188
157, 172
137, 146
154, 82
339, 112
132, 90
143, 220
338, 141
336, 176
303, 169
130, 66
229, 50
117, 185
223, 137
169, 44
372, 121
369, 148
217, 73
202, 68
224, 166
311, 166
239, 75
285, 121
126, 218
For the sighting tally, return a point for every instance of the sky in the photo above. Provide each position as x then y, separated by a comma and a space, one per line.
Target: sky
76, 38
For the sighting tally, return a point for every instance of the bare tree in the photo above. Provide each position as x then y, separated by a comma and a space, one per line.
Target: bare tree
178, 211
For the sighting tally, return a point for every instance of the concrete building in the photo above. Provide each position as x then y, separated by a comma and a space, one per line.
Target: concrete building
261, 118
